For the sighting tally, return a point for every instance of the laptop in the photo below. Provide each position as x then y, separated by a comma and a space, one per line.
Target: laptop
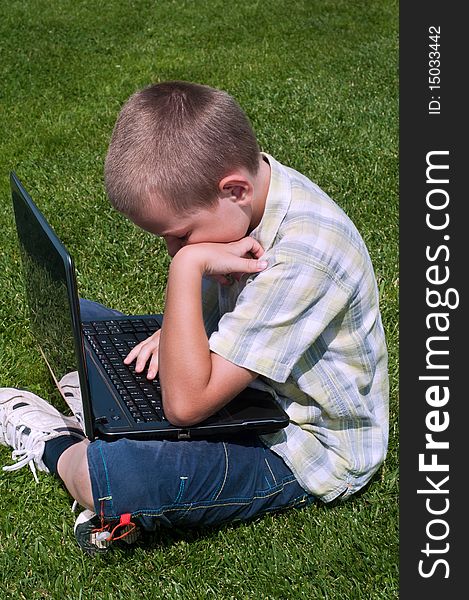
117, 402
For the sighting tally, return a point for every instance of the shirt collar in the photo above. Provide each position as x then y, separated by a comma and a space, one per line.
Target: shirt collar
276, 204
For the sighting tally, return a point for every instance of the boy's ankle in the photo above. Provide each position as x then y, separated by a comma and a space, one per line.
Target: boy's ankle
53, 450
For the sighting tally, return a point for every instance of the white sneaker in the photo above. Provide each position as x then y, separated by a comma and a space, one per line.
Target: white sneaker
71, 392
27, 422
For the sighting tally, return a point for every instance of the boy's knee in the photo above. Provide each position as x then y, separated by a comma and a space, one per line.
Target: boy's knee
73, 470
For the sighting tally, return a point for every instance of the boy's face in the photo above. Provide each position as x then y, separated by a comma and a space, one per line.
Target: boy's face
228, 221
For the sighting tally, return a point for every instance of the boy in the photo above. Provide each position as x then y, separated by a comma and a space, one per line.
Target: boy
270, 284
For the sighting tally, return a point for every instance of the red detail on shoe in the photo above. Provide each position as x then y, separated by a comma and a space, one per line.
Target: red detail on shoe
125, 519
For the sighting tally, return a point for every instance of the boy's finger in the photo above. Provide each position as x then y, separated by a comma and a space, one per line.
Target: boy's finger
251, 246
254, 266
248, 265
132, 355
143, 357
153, 367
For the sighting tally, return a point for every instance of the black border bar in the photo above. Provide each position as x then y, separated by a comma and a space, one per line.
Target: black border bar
434, 334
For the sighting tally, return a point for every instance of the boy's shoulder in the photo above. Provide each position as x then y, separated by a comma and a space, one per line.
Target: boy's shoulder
306, 217
294, 192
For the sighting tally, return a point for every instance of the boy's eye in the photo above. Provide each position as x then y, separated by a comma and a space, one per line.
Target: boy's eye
183, 238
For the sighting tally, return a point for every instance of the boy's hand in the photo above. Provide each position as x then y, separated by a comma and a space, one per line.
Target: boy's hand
144, 352
219, 260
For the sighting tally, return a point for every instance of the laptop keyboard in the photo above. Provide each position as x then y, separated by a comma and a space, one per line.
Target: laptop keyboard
112, 341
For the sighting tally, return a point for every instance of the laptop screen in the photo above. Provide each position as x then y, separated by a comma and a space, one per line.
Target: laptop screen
45, 281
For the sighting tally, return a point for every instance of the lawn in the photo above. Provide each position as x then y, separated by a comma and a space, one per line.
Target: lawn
319, 82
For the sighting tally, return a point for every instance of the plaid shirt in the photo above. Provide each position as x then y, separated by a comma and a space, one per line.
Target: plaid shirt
310, 326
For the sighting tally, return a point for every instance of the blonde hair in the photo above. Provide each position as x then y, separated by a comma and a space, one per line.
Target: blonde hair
176, 141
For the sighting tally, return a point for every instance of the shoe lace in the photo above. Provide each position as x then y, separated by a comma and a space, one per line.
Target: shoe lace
27, 445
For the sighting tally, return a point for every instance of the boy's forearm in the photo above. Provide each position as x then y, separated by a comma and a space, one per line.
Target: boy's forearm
196, 382
184, 344
184, 357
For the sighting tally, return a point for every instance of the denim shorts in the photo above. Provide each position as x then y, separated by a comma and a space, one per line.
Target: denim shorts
188, 482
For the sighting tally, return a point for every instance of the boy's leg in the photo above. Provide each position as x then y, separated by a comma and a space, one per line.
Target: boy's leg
90, 310
72, 468
46, 440
184, 483
190, 483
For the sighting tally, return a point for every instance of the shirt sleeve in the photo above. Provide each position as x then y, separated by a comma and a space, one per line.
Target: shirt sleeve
279, 314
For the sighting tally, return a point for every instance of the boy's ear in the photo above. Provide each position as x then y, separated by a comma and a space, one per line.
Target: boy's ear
236, 186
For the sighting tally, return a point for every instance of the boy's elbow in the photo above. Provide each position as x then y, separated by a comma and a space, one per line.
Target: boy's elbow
181, 418
179, 412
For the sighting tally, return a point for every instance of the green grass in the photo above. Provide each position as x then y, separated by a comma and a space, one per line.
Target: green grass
319, 82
